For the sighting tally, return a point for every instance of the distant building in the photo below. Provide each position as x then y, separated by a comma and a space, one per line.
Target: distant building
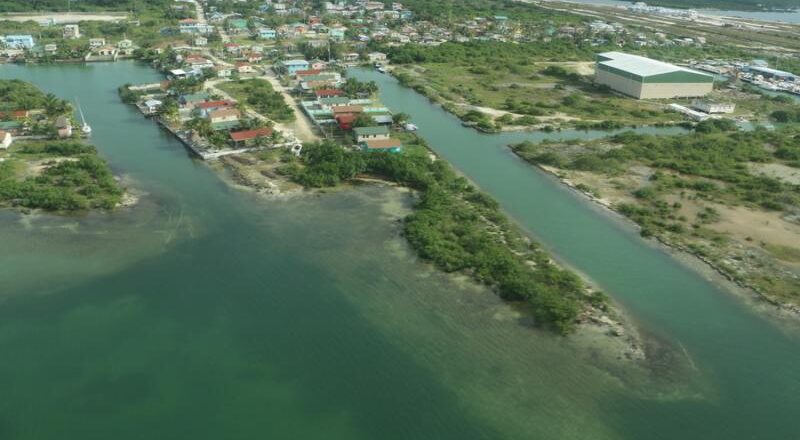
645, 78
766, 72
192, 26
19, 41
97, 42
72, 31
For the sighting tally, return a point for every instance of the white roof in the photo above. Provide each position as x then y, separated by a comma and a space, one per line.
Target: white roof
295, 62
642, 66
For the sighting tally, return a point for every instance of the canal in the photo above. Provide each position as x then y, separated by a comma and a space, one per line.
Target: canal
207, 312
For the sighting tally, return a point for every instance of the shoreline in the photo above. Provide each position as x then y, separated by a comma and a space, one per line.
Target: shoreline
623, 339
676, 251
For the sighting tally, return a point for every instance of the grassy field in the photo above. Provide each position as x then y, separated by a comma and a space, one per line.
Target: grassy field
534, 94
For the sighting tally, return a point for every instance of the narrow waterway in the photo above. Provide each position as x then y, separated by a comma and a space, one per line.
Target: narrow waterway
751, 362
206, 312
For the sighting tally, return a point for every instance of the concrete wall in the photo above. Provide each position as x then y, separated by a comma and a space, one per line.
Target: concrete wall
673, 90
646, 90
623, 85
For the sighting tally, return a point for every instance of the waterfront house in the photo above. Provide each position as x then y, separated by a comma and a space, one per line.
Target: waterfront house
351, 57
50, 49
178, 74
124, 44
5, 139
198, 62
95, 43
224, 115
192, 99
206, 107
376, 57
64, 127
71, 32
19, 41
391, 145
247, 137
151, 106
363, 134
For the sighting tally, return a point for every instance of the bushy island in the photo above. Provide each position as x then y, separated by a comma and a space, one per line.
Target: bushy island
731, 197
458, 228
43, 162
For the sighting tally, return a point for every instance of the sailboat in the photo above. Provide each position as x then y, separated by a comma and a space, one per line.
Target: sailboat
85, 128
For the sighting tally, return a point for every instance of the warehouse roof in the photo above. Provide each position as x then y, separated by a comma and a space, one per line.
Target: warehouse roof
641, 66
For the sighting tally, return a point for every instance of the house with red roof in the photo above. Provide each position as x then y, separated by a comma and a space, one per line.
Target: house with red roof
246, 137
209, 106
328, 93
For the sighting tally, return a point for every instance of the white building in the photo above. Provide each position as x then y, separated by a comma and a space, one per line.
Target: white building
5, 139
72, 31
645, 78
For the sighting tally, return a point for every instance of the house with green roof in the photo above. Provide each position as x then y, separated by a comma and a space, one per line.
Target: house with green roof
237, 25
364, 134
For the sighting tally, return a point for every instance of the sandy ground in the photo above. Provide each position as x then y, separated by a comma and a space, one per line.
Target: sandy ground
63, 17
777, 171
301, 126
762, 226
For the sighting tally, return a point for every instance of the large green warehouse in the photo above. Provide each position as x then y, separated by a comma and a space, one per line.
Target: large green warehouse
644, 78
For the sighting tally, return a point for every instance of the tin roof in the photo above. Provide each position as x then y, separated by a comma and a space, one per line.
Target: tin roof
639, 65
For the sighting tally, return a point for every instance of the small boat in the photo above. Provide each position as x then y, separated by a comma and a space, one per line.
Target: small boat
382, 69
410, 127
85, 128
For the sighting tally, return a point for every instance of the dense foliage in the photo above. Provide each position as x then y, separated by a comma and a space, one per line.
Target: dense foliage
259, 94
77, 5
21, 95
459, 229
78, 180
447, 10
491, 55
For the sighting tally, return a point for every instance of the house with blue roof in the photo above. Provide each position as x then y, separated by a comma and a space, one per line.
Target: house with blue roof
19, 41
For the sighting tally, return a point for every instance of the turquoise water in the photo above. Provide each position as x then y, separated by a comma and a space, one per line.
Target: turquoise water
205, 312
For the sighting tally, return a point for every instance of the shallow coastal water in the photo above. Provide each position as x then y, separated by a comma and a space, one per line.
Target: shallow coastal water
206, 312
